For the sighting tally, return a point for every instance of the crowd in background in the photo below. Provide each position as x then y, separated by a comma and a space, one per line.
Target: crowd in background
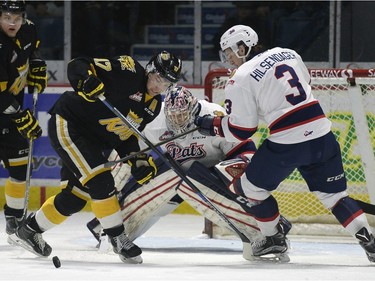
113, 27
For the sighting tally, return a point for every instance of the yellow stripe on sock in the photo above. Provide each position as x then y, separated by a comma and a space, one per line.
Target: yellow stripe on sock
50, 212
15, 189
105, 207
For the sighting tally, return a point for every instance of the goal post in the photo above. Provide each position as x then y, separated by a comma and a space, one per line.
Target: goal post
347, 97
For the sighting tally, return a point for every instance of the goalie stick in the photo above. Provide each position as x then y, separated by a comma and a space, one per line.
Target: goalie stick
247, 248
111, 163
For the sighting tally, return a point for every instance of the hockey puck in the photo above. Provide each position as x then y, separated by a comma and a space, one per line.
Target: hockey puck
56, 261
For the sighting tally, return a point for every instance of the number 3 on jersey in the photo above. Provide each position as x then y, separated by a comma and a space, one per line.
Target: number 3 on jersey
293, 82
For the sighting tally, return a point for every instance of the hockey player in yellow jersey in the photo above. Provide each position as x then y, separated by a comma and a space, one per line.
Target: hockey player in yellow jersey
82, 129
20, 66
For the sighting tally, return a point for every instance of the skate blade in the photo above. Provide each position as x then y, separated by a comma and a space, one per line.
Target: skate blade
16, 241
273, 258
134, 260
12, 238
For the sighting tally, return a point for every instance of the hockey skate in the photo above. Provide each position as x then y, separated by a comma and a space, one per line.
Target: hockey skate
29, 239
12, 223
367, 242
273, 248
127, 250
13, 219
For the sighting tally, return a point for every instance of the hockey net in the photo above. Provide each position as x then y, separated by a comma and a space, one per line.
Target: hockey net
348, 98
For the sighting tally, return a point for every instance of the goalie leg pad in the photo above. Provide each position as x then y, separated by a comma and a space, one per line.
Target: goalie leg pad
143, 206
216, 191
243, 221
213, 180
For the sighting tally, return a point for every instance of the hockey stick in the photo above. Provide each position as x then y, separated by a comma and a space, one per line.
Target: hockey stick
111, 163
247, 249
366, 207
29, 160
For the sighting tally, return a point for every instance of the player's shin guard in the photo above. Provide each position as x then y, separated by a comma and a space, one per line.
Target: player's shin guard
350, 215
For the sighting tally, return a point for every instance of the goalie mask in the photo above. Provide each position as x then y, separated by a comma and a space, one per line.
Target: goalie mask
180, 108
236, 36
167, 65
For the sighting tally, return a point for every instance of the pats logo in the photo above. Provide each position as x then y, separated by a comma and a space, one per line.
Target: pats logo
307, 133
183, 154
166, 135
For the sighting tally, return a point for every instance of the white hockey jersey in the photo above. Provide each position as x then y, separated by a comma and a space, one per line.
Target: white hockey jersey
273, 86
206, 149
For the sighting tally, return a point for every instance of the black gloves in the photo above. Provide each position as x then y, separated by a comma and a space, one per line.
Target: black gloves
143, 168
209, 125
91, 88
27, 125
37, 76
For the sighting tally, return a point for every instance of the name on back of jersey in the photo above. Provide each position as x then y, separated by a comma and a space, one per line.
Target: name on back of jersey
262, 68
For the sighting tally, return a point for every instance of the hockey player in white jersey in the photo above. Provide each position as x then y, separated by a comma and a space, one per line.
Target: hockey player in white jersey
143, 205
274, 86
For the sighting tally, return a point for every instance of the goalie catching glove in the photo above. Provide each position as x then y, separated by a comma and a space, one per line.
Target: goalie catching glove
143, 168
209, 125
91, 88
27, 125
37, 76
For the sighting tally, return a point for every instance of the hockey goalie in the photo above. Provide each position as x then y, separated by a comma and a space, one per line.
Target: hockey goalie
211, 163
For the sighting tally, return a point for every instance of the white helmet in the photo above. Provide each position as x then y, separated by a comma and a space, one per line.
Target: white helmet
180, 108
235, 35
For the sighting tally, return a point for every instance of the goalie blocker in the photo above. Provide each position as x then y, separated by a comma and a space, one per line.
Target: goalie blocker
143, 205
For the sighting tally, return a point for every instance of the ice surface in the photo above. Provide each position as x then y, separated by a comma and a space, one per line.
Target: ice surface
174, 250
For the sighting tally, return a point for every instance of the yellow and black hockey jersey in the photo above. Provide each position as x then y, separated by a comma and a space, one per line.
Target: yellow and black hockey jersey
15, 54
125, 87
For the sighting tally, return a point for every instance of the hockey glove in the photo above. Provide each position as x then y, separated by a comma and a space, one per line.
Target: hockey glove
143, 168
27, 125
92, 88
209, 125
37, 76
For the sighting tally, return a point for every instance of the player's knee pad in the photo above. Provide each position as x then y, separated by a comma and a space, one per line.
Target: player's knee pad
101, 186
251, 191
330, 199
67, 203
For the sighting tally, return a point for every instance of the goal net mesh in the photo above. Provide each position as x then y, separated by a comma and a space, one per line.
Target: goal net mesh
332, 89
